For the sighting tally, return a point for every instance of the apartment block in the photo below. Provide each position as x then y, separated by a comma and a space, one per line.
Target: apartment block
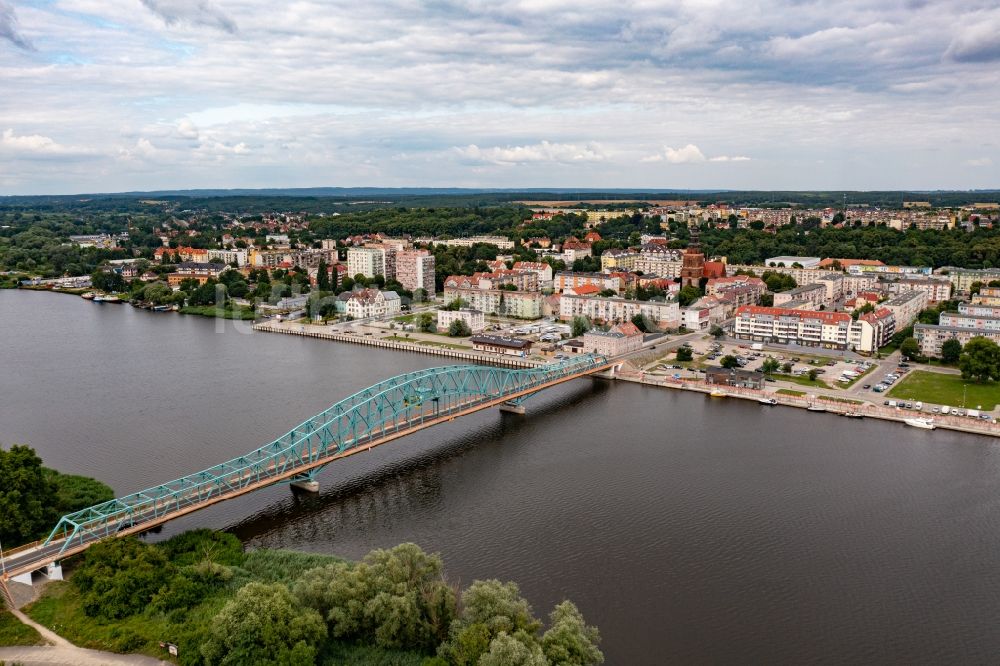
906, 306
814, 294
803, 327
569, 280
474, 319
518, 304
415, 270
609, 310
367, 261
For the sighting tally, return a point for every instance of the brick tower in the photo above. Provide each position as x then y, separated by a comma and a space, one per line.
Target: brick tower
692, 262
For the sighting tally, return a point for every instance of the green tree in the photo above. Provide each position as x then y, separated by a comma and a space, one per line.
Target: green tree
107, 281
813, 374
27, 496
517, 650
864, 309
569, 640
490, 608
717, 331
641, 323
729, 361
395, 598
425, 322
322, 276
770, 365
459, 329
786, 367
264, 625
980, 360
579, 326
910, 348
688, 295
684, 353
975, 288
951, 350
119, 577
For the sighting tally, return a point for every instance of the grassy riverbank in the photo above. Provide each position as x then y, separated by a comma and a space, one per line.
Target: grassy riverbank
12, 632
234, 312
219, 605
941, 389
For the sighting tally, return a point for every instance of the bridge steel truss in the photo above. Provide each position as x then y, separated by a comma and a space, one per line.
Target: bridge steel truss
378, 414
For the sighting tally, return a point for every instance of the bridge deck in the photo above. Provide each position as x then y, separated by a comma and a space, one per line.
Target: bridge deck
156, 511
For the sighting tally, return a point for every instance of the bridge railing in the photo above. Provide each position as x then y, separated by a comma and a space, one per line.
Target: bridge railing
392, 405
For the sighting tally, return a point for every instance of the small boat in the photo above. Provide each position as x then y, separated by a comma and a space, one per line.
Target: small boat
89, 295
926, 424
767, 401
854, 415
718, 393
161, 308
815, 408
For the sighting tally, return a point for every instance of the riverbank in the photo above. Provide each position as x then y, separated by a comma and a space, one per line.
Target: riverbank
312, 331
802, 400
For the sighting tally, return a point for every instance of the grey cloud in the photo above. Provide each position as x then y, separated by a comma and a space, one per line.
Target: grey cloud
198, 12
8, 28
980, 43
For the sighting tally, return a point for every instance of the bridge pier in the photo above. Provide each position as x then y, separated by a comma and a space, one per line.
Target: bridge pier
306, 485
512, 407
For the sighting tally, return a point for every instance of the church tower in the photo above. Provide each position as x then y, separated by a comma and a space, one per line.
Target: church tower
693, 261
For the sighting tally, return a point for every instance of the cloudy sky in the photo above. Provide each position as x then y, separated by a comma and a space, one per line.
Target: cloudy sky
113, 95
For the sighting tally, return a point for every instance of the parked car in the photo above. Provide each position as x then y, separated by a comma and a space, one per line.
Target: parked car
866, 386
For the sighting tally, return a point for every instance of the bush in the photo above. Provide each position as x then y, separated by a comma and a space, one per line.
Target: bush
120, 577
459, 329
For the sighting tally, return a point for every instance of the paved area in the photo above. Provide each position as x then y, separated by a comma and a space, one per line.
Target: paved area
72, 656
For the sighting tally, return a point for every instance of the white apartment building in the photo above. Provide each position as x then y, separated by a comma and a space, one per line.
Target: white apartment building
229, 256
368, 261
500, 241
607, 310
518, 304
474, 319
540, 268
906, 306
782, 325
937, 289
814, 294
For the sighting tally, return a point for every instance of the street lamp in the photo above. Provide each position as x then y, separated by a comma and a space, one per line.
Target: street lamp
964, 388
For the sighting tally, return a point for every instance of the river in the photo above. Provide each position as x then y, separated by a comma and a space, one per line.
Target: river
689, 530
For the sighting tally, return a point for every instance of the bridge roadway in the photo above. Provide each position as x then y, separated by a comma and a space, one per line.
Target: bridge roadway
382, 413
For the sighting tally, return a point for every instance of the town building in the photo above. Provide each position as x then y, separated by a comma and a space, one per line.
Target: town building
202, 272
540, 268
930, 337
813, 294
229, 256
367, 261
790, 262
366, 303
872, 330
620, 339
570, 281
573, 250
784, 325
495, 344
692, 262
906, 306
662, 314
500, 241
734, 377
937, 288
619, 260
962, 279
987, 296
415, 270
501, 302
474, 319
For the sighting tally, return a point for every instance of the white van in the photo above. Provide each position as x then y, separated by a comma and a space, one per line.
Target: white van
945, 409
757, 346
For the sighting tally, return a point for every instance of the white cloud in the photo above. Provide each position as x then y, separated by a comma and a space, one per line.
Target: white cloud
36, 145
727, 158
980, 162
564, 153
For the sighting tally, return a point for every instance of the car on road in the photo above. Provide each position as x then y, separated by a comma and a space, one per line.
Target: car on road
866, 386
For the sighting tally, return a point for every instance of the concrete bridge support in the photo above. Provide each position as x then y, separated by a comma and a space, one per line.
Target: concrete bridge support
512, 407
306, 485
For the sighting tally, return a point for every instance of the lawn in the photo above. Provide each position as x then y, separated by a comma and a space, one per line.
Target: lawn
794, 394
939, 389
802, 380
12, 632
237, 312
425, 343
848, 401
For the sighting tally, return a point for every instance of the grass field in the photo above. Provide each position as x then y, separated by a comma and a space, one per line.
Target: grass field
12, 632
848, 401
802, 380
794, 394
942, 389
211, 311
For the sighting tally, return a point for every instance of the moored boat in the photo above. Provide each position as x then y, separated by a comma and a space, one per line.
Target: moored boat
815, 408
88, 295
767, 401
718, 393
854, 415
926, 424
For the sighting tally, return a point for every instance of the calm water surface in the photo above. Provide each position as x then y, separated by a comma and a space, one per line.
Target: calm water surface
689, 530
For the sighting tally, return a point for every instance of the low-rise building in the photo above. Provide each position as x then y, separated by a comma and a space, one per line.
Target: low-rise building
540, 268
474, 319
190, 270
366, 303
814, 294
495, 344
501, 302
619, 260
569, 280
621, 339
930, 337
987, 296
734, 377
663, 314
